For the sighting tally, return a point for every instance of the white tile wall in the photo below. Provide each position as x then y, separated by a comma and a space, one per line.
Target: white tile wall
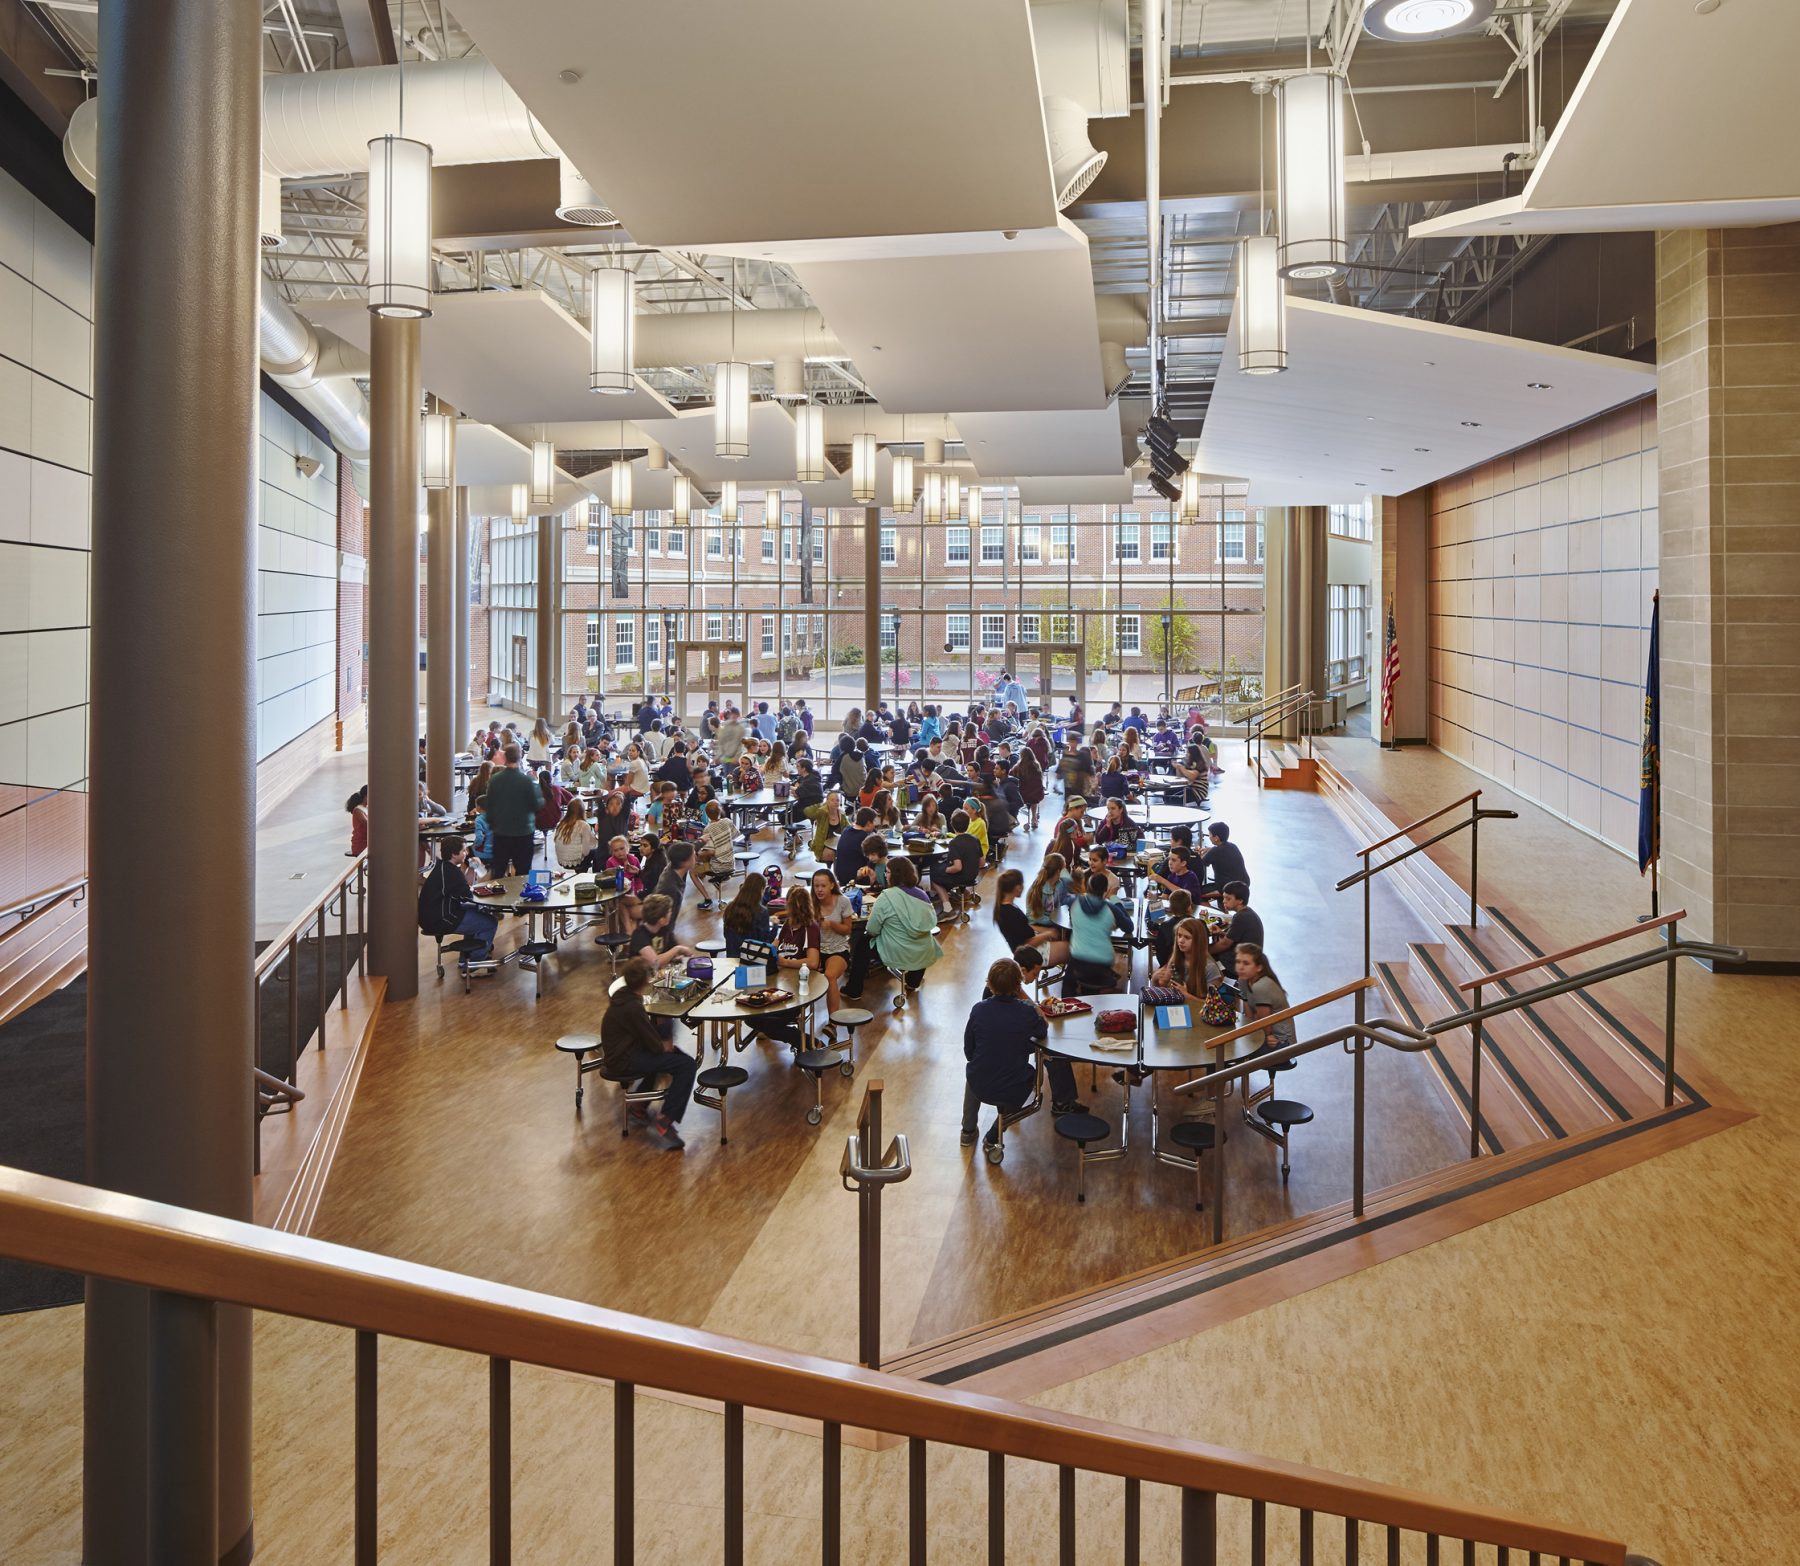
1543, 563
46, 346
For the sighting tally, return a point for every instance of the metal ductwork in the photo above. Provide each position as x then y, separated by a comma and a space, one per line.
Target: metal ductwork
319, 370
1074, 162
1083, 50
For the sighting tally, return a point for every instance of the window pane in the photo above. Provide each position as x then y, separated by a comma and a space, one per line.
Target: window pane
956, 632
993, 545
956, 545
993, 633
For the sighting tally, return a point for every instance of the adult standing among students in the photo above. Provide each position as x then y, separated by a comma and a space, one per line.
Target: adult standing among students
728, 743
512, 806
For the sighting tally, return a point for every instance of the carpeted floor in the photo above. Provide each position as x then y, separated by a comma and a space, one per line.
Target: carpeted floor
43, 1092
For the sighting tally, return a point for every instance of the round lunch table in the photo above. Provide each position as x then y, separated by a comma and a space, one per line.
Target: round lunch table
540, 931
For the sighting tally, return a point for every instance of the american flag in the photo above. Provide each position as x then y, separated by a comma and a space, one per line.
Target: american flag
1390, 666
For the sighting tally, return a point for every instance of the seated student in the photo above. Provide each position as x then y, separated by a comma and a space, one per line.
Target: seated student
1117, 827
448, 907
654, 918
745, 918
1070, 836
978, 825
1103, 881
675, 769
574, 841
961, 864
663, 815
1221, 864
1092, 920
1165, 741
837, 921
1112, 783
1180, 875
999, 817
1001, 1039
928, 820
632, 1045
718, 840
900, 929
798, 937
849, 857
1189, 965
1263, 994
699, 797
1180, 906
809, 787
483, 847
652, 859
673, 881
1014, 923
873, 876
1245, 925
592, 772
1043, 902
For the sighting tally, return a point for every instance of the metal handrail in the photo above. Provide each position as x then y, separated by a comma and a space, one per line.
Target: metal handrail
868, 1180
1354, 987
1296, 701
29, 909
1413, 826
208, 1261
1573, 951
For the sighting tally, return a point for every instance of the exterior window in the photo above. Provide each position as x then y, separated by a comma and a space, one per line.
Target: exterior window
818, 630
653, 640
1062, 544
1162, 541
787, 634
1030, 544
715, 544
624, 641
1062, 627
653, 532
714, 628
1231, 541
1259, 543
890, 632
1131, 639
768, 547
677, 542
1347, 632
1125, 543
737, 627
1028, 627
993, 546
818, 543
890, 546
593, 530
1352, 521
993, 633
768, 635
956, 632
956, 547
593, 644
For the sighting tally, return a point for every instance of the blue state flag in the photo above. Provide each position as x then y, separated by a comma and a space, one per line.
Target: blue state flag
1650, 765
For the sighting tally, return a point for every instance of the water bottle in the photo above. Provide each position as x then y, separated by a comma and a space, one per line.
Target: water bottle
805, 979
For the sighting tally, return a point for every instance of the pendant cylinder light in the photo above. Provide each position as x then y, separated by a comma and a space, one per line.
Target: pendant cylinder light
1188, 509
933, 498
612, 330
772, 509
862, 470
684, 500
974, 504
437, 451
399, 227
1309, 159
903, 484
543, 473
621, 488
953, 498
728, 501
809, 443
521, 502
1261, 307
731, 410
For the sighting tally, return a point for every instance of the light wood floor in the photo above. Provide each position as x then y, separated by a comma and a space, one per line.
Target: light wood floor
1620, 1354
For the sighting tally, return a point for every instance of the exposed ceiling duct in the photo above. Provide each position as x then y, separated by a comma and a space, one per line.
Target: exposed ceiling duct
1074, 162
1083, 59
319, 370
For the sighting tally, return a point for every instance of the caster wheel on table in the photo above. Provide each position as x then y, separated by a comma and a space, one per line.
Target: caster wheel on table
994, 1154
899, 1003
578, 1098
846, 1070
814, 1115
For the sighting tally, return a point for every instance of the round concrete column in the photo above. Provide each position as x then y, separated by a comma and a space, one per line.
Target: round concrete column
459, 622
441, 737
394, 393
170, 991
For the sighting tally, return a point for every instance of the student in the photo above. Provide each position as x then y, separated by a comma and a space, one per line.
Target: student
673, 881
998, 815
574, 840
873, 876
1092, 920
1263, 994
804, 714
1015, 925
1137, 720
1222, 863
358, 806
675, 769
978, 825
1180, 906
929, 821
1193, 771
809, 787
447, 906
482, 847
653, 860
538, 749
901, 929
1117, 827
836, 920
1102, 882
852, 769
636, 782
828, 825
1000, 1042
797, 940
849, 857
1112, 783
931, 726
512, 807
718, 840
654, 918
613, 819
1246, 925
1189, 965
728, 743
1179, 874
745, 918
961, 864
632, 1045
553, 800
592, 771
1044, 899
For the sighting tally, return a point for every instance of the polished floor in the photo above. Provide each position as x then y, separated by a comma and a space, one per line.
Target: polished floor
1619, 1355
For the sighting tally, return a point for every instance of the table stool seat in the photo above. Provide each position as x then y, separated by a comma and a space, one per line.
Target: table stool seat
581, 1046
715, 1078
851, 1017
710, 948
1281, 1115
1196, 1135
1082, 1129
815, 1063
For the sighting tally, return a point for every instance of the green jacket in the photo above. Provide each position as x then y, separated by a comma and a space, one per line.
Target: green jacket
900, 928
512, 803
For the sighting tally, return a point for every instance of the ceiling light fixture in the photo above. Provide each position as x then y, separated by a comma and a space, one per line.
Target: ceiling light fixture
399, 227
1537, 386
903, 484
976, 501
1188, 507
933, 498
437, 451
1421, 21
728, 501
683, 504
953, 505
612, 330
731, 394
543, 473
621, 488
1262, 307
772, 508
809, 443
521, 502
862, 469
1309, 174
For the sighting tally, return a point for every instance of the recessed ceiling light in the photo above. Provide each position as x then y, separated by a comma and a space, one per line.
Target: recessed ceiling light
1419, 21
1387, 470
876, 347
1431, 364
570, 76
1361, 485
1705, 7
1421, 448
1471, 424
1537, 386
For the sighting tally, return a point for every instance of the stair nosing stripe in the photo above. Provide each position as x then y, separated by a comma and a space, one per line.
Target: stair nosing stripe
1488, 1134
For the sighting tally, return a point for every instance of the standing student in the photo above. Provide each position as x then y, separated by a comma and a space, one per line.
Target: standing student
632, 1045
358, 806
512, 807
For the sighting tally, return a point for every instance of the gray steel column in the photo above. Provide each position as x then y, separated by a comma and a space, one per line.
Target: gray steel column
441, 738
547, 575
872, 608
394, 393
170, 993
460, 667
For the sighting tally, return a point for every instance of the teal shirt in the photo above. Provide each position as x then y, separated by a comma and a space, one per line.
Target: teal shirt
900, 928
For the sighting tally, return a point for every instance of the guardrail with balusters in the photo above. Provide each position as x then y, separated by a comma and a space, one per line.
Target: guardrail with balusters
196, 1262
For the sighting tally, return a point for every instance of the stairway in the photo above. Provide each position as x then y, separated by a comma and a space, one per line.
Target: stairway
42, 957
1284, 766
